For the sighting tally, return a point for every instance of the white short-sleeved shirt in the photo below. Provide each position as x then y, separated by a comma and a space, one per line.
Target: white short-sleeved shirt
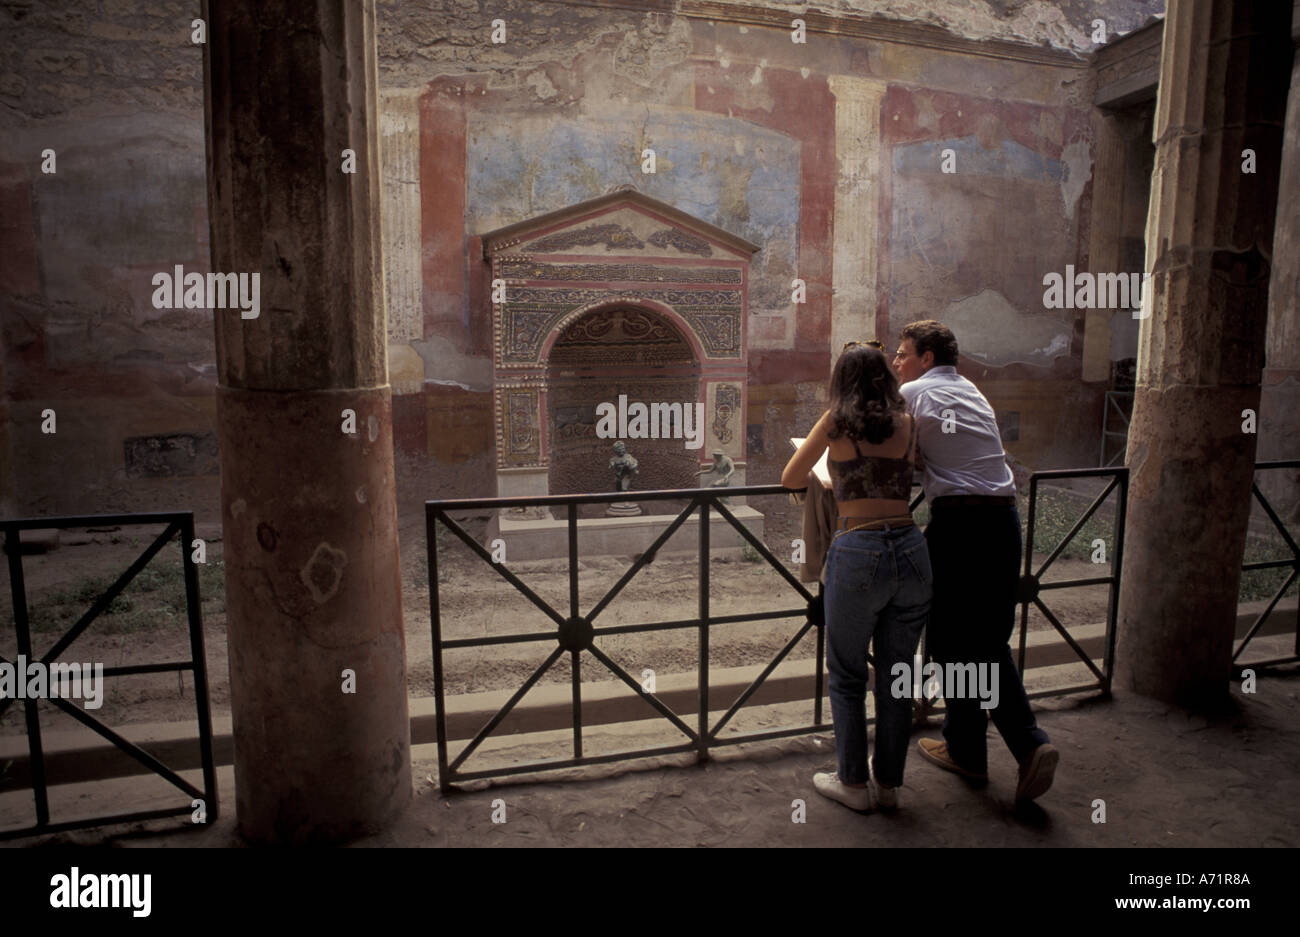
969, 459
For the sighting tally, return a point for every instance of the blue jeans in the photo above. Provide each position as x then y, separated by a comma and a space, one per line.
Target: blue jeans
877, 585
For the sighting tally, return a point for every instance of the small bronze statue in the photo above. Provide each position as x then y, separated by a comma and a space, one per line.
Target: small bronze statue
724, 468
624, 467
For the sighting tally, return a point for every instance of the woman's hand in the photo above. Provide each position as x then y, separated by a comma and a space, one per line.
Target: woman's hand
806, 456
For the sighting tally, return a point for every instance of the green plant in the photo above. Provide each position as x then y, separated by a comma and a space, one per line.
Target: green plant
1257, 584
1056, 512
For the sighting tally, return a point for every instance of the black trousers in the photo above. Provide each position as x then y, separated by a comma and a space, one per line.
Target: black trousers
975, 552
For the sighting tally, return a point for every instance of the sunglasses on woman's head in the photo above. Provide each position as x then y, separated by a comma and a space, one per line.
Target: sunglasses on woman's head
879, 346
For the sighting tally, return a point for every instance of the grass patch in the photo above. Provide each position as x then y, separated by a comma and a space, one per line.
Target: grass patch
1056, 512
1260, 584
153, 600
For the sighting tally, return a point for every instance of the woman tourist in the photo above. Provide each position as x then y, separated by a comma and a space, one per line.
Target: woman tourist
877, 570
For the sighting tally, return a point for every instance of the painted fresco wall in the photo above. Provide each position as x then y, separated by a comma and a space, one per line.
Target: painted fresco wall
744, 125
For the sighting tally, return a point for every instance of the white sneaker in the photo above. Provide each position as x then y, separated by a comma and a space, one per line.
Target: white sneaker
855, 798
886, 797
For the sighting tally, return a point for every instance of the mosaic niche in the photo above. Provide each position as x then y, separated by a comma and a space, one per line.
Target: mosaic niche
660, 300
579, 459
596, 359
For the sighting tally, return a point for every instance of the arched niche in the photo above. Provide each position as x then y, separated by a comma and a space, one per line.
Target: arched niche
629, 351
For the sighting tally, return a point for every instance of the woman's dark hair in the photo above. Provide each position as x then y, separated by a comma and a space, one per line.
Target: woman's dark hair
864, 396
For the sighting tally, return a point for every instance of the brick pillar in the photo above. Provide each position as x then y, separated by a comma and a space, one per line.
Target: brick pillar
1223, 73
313, 585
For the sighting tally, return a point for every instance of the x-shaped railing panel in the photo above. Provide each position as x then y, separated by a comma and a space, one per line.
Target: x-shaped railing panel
1293, 563
1031, 584
176, 523
577, 633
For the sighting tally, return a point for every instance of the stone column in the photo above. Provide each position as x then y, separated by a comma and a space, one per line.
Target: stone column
313, 588
857, 157
1103, 244
1223, 72
1279, 406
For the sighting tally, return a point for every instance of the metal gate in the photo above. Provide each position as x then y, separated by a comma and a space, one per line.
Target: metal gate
33, 774
575, 631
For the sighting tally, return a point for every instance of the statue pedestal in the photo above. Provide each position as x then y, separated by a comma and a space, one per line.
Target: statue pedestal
623, 509
620, 536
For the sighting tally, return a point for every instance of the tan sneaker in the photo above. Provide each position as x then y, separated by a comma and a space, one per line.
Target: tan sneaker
855, 798
937, 751
1037, 772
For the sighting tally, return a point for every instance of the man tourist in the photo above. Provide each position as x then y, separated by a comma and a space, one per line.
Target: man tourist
975, 550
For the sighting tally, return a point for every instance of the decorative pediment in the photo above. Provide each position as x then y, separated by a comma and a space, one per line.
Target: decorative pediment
623, 222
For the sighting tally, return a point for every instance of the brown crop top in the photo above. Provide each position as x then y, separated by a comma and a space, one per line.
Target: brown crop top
874, 476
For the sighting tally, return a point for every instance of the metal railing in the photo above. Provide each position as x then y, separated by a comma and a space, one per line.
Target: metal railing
1112, 406
177, 523
1032, 584
576, 632
1293, 564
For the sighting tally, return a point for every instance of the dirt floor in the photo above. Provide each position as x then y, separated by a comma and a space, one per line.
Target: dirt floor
1167, 778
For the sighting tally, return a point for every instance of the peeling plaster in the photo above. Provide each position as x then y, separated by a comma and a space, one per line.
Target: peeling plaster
1076, 159
324, 572
992, 331
1060, 24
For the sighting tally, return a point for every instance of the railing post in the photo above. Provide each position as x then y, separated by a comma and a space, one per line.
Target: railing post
431, 516
194, 614
702, 745
1117, 564
574, 655
1029, 561
18, 589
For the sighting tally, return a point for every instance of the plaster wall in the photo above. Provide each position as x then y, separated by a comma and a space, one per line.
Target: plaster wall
743, 123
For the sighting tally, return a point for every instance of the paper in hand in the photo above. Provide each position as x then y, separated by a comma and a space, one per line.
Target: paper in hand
821, 469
